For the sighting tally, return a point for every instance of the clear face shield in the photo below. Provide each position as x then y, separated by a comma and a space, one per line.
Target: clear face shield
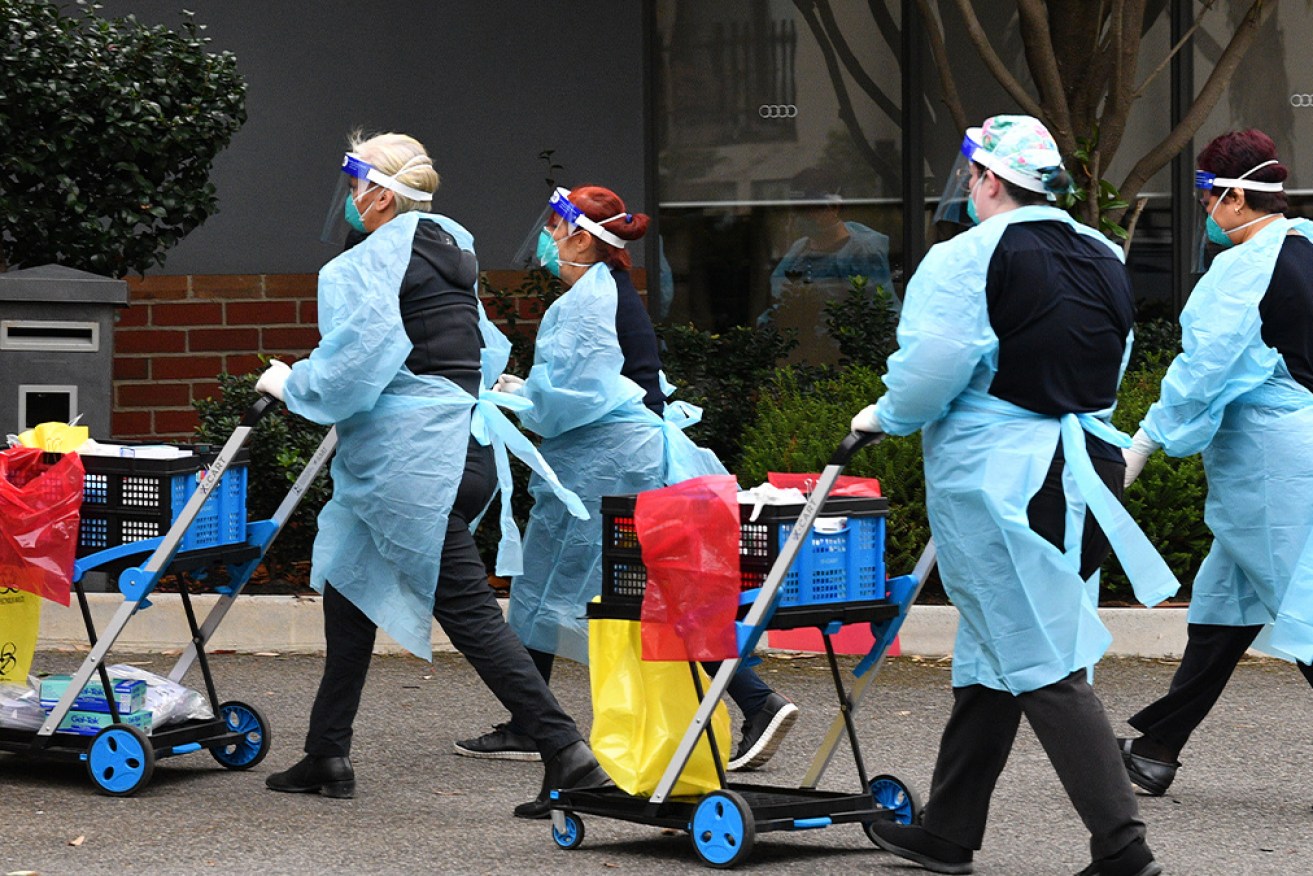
1209, 238
353, 198
539, 249
952, 207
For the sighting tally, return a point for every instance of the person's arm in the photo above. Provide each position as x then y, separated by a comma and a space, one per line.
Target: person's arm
943, 333
364, 346
576, 377
1222, 357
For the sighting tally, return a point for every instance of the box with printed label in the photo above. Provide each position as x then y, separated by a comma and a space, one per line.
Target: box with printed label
91, 723
129, 694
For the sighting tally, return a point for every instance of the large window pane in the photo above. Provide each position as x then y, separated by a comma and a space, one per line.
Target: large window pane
780, 153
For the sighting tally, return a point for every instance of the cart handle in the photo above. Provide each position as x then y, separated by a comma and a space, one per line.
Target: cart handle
853, 443
258, 409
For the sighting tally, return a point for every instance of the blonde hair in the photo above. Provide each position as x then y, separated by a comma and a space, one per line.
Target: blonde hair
389, 153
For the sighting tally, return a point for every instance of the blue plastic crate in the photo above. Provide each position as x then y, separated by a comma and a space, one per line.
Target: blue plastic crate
127, 499
846, 566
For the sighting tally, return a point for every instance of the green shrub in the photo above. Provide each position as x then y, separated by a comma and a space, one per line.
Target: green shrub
1167, 500
110, 128
723, 374
864, 324
279, 449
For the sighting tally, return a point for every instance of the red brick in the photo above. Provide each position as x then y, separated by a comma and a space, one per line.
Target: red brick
175, 422
223, 340
158, 288
242, 363
638, 276
131, 368
187, 313
291, 285
152, 394
309, 314
205, 389
299, 340
184, 367
227, 286
259, 312
132, 315
130, 424
149, 340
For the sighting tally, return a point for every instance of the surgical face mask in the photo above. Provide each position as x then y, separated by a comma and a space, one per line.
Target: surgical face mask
354, 217
971, 203
548, 253
1220, 236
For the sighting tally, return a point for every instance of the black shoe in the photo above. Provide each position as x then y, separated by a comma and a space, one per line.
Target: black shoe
915, 843
329, 776
572, 767
1134, 860
1153, 776
502, 743
763, 733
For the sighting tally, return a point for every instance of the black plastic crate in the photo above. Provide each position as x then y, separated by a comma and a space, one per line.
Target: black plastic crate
128, 498
845, 566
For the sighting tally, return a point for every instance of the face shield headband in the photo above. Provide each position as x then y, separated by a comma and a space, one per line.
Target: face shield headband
560, 204
1210, 183
357, 168
974, 152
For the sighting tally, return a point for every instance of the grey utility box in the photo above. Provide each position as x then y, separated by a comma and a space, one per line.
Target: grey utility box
57, 347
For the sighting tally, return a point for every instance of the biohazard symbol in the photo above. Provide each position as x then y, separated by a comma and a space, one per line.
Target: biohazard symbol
8, 657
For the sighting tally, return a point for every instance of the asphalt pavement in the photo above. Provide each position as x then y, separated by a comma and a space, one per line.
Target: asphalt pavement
1240, 804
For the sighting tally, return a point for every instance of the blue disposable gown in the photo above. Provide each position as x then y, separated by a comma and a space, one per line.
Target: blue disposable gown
601, 440
1231, 397
402, 437
1027, 619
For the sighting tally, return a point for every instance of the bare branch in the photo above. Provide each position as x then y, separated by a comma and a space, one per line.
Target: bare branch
854, 66
889, 29
1218, 79
877, 162
1130, 226
1117, 108
1044, 71
1162, 65
994, 63
939, 50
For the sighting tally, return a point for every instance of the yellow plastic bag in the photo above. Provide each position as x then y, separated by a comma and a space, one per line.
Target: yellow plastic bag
641, 711
20, 619
55, 437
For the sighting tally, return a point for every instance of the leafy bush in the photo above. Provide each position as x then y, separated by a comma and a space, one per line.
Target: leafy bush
513, 306
279, 449
864, 324
723, 374
1167, 500
110, 129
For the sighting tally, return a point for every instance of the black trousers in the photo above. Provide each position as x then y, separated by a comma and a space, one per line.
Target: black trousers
1211, 655
467, 609
1067, 717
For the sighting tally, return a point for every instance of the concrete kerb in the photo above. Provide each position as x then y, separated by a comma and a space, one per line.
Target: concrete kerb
294, 624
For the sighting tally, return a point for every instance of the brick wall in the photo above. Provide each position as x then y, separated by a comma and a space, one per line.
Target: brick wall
180, 332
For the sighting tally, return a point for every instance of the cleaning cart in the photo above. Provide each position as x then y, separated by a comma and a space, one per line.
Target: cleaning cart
796, 579
186, 516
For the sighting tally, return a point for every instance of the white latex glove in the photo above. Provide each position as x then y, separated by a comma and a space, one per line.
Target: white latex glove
273, 380
1142, 447
866, 420
509, 383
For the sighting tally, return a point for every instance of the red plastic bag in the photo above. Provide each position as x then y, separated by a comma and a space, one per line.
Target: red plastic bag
689, 534
39, 505
846, 485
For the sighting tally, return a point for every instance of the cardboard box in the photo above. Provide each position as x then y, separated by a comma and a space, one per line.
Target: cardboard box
90, 723
129, 694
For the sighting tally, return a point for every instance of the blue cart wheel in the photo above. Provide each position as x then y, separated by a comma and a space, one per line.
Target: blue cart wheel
723, 829
254, 744
120, 760
573, 835
891, 793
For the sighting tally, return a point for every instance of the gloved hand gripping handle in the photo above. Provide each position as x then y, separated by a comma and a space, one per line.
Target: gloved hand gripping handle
853, 443
257, 410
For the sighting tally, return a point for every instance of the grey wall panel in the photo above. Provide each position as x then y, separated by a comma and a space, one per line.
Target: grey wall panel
485, 85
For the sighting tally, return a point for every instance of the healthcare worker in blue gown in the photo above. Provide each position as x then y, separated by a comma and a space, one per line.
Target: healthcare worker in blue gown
400, 370
1240, 393
1012, 341
599, 403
